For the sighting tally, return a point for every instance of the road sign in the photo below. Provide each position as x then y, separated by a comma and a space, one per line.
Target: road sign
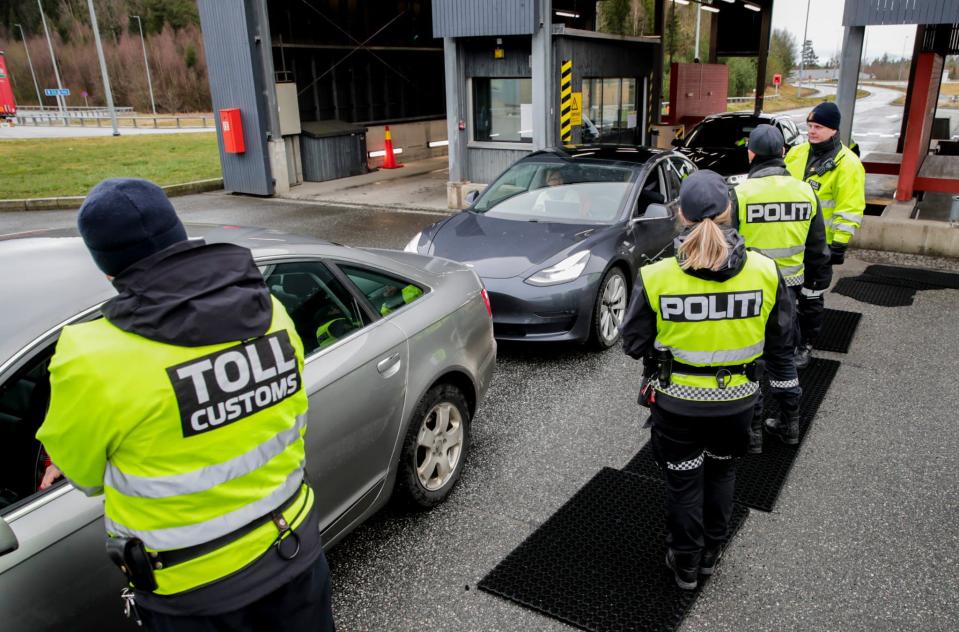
57, 92
777, 79
577, 111
84, 94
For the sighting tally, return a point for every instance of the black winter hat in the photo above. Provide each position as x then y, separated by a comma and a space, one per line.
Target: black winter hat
766, 140
826, 114
703, 194
124, 220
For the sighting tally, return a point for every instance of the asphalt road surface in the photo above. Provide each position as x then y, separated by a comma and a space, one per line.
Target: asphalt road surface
864, 536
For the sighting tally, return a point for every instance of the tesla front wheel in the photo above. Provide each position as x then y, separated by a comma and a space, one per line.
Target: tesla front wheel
610, 309
435, 447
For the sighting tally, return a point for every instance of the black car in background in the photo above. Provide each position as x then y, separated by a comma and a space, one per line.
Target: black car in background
558, 238
718, 142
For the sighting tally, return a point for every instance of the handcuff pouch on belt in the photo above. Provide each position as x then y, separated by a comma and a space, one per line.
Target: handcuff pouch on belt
657, 367
132, 558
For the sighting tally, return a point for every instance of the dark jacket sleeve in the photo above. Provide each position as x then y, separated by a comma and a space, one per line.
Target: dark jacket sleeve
734, 200
816, 261
639, 324
778, 351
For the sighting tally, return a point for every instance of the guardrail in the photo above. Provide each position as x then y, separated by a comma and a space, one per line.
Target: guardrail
135, 122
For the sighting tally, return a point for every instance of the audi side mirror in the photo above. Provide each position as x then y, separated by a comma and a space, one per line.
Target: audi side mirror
8, 539
656, 211
471, 197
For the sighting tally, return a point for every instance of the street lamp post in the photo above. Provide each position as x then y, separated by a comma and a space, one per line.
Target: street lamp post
53, 58
802, 49
103, 68
36, 86
903, 57
145, 62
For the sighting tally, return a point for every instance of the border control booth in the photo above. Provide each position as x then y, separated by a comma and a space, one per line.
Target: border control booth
525, 75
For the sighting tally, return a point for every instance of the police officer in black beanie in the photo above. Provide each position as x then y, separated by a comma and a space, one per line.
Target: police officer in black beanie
839, 180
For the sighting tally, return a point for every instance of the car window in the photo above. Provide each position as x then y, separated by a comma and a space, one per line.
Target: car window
322, 309
654, 191
386, 293
722, 132
24, 398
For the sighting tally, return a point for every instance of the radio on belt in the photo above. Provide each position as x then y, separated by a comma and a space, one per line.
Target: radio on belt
232, 125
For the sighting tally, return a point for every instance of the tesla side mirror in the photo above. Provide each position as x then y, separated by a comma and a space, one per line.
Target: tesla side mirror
677, 142
471, 197
8, 539
656, 211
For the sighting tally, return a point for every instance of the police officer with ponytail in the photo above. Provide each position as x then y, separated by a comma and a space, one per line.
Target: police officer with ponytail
184, 406
700, 321
780, 217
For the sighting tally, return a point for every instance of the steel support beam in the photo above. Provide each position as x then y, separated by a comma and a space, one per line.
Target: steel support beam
659, 28
456, 86
852, 41
544, 134
764, 29
922, 110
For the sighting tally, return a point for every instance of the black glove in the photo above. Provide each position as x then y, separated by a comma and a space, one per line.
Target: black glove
838, 252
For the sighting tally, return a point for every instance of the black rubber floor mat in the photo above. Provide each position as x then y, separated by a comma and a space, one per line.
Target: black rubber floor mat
838, 329
870, 290
919, 278
598, 562
760, 477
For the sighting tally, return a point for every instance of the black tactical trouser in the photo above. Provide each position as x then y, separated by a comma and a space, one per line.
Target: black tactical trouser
303, 603
697, 455
810, 312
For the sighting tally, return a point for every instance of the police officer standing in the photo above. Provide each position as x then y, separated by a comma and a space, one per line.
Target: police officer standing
700, 321
780, 217
839, 180
184, 405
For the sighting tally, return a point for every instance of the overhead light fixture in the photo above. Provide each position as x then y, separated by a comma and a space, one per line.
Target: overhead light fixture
706, 7
751, 7
730, 1
681, 1
567, 14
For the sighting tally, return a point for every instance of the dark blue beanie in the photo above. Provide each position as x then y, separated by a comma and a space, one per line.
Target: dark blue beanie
826, 114
124, 220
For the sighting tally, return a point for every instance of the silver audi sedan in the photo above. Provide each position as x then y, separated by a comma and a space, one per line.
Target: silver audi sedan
399, 354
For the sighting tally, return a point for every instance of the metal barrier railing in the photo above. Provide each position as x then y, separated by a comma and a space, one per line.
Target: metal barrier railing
135, 122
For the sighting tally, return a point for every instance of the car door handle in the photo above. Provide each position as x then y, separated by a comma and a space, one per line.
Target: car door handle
388, 367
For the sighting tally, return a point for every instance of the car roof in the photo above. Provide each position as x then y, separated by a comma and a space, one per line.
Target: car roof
637, 155
52, 279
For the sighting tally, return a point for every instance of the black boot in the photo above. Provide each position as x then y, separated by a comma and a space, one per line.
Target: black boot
685, 569
709, 559
786, 428
803, 355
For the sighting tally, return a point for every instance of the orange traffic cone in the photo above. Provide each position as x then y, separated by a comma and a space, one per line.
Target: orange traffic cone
389, 161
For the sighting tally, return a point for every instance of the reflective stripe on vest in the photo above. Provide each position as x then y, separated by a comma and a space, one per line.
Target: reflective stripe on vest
850, 200
849, 217
207, 477
775, 213
711, 323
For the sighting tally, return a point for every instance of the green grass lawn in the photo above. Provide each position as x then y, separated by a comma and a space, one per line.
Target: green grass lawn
62, 166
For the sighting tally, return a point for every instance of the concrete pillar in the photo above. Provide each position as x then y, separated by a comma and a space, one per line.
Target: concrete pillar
456, 104
852, 41
542, 74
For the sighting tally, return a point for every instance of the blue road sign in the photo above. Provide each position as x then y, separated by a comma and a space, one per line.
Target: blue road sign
56, 92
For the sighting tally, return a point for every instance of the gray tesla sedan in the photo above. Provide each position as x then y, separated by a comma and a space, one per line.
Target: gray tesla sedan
399, 354
559, 237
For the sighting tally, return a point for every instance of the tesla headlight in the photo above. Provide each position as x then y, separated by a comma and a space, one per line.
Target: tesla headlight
739, 178
565, 271
413, 245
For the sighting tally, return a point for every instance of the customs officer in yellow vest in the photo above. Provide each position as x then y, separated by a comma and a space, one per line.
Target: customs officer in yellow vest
700, 321
184, 406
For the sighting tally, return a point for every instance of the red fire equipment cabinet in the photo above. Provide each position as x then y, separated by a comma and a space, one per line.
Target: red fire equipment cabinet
232, 125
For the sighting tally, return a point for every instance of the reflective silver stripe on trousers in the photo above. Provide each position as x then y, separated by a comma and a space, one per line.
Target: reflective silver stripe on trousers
710, 455
849, 217
784, 384
782, 253
204, 478
827, 203
812, 293
796, 280
190, 535
684, 466
719, 356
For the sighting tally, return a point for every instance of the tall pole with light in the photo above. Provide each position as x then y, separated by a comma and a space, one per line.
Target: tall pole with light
103, 68
802, 51
146, 63
700, 8
36, 86
53, 58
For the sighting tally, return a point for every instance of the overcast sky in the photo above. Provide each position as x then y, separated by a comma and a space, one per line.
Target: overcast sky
825, 29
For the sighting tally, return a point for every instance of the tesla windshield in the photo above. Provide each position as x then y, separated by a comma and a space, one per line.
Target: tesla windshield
558, 192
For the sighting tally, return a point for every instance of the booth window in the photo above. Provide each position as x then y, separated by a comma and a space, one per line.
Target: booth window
609, 108
503, 110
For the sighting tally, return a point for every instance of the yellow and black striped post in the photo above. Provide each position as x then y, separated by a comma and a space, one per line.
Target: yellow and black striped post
566, 101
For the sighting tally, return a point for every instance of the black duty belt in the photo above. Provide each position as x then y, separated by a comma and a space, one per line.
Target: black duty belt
164, 559
712, 371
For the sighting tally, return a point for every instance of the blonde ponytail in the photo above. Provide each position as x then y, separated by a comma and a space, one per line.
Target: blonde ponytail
705, 246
